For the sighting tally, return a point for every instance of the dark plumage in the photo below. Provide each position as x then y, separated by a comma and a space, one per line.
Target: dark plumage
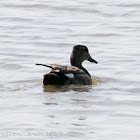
74, 74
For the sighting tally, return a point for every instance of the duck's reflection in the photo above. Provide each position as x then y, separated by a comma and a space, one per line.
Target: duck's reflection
78, 88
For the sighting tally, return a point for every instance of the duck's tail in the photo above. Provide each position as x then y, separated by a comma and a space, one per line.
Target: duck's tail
45, 65
53, 77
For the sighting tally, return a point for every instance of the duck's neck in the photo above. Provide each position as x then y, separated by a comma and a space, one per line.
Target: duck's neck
75, 62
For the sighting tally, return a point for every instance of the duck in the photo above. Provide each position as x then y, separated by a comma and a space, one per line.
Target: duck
75, 74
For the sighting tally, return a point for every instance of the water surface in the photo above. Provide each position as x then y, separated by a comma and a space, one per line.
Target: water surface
42, 31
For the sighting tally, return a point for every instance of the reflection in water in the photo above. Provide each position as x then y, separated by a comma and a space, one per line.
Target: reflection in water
96, 80
55, 88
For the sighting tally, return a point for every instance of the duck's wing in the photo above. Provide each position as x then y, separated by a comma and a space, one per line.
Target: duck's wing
63, 69
66, 69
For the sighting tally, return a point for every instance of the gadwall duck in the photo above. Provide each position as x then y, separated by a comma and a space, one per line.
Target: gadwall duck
74, 74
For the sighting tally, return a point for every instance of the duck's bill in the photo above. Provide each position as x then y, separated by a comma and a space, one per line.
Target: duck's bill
92, 60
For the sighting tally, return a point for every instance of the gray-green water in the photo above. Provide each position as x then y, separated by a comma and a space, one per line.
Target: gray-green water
40, 31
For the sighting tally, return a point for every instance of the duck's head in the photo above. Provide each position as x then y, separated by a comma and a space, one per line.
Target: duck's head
79, 54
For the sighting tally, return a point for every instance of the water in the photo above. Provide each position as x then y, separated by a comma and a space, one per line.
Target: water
41, 31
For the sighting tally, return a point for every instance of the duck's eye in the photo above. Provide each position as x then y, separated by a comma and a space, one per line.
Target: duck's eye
85, 49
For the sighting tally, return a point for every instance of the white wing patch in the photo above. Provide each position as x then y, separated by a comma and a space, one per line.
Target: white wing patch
70, 75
